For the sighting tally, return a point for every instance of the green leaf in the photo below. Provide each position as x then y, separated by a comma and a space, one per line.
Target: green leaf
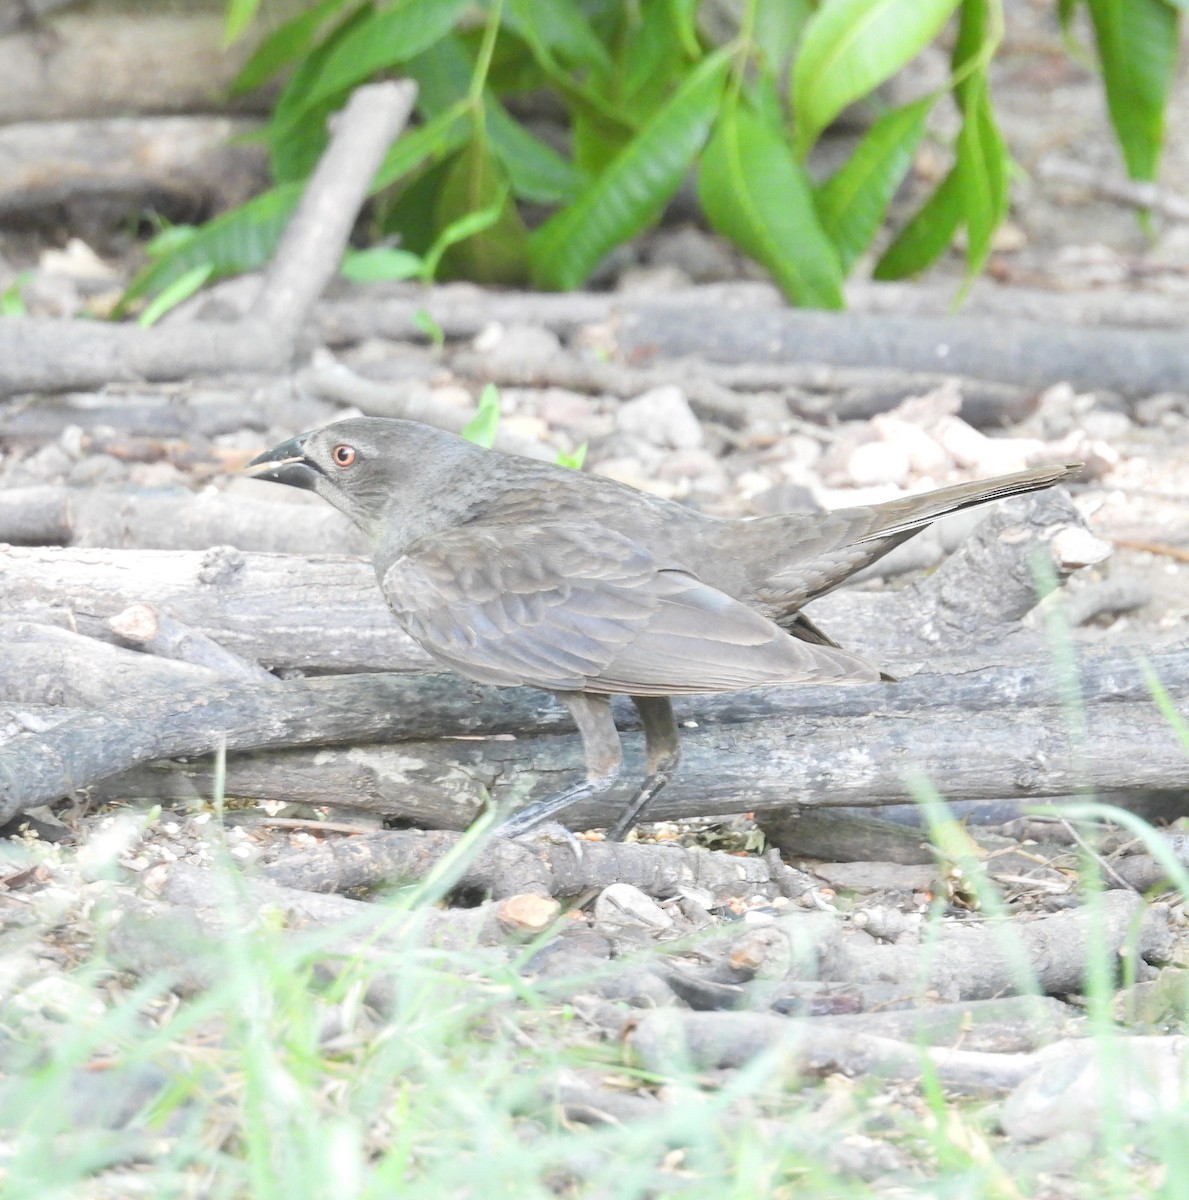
538, 173
466, 226
685, 23
497, 253
1137, 46
436, 139
926, 237
481, 428
239, 17
778, 27
388, 37
296, 134
557, 27
379, 264
755, 192
574, 459
180, 289
429, 327
983, 170
12, 303
629, 195
241, 240
852, 202
972, 49
850, 47
286, 44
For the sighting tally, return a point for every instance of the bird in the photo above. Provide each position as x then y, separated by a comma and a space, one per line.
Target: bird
517, 572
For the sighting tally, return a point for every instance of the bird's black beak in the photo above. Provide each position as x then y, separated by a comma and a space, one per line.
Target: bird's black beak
285, 463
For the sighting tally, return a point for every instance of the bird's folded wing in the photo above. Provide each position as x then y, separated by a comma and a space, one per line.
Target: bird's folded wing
588, 609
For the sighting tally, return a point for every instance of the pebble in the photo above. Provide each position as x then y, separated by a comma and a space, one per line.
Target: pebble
97, 468
663, 417
516, 344
925, 455
879, 462
622, 906
558, 406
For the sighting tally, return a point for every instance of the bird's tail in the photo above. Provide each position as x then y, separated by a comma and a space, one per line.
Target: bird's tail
914, 512
795, 557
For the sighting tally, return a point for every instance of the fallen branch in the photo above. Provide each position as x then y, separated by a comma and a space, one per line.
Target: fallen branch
818, 1047
46, 354
505, 868
872, 759
1133, 362
772, 744
64, 516
740, 395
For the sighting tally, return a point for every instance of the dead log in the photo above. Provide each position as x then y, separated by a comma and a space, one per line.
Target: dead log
66, 516
760, 766
185, 166
504, 868
668, 1039
183, 413
1132, 362
106, 60
45, 354
740, 395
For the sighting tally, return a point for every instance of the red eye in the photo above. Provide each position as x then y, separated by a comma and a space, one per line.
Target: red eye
343, 456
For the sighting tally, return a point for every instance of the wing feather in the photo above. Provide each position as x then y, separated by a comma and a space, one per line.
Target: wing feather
588, 609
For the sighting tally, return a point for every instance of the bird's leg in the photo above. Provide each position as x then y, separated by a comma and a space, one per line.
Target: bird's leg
603, 753
663, 749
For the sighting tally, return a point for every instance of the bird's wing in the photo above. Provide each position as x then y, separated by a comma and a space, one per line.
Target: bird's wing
588, 609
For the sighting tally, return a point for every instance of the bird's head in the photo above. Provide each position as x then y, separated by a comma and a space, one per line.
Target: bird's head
362, 466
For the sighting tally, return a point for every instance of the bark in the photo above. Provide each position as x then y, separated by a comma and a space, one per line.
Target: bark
503, 868
742, 395
1132, 362
90, 62
153, 632
212, 896
815, 745
187, 166
658, 1041
761, 766
52, 515
176, 418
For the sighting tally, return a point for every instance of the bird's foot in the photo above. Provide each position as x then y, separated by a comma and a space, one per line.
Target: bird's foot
639, 802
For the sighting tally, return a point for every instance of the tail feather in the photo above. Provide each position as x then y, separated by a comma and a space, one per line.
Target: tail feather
913, 512
797, 557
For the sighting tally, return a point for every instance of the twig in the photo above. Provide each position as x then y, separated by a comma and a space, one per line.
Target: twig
1135, 192
1179, 553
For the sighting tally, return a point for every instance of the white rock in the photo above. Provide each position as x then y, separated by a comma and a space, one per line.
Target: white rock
663, 417
517, 343
878, 462
991, 456
1074, 548
622, 906
926, 456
